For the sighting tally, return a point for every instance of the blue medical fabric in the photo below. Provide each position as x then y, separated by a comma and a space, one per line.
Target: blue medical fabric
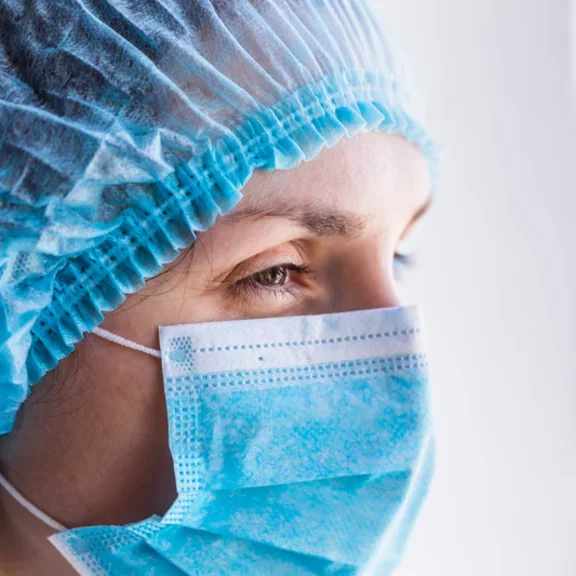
128, 126
301, 445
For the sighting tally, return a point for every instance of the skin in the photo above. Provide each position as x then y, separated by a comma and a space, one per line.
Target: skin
91, 444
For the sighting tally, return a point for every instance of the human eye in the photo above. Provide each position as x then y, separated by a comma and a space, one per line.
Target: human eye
286, 279
403, 263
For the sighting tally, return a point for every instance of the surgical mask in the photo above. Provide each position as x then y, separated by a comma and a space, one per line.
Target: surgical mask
301, 446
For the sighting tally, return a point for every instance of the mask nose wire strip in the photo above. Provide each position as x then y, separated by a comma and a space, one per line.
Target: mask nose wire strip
125, 342
30, 507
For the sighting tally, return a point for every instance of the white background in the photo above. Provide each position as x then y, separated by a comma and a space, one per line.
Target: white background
498, 283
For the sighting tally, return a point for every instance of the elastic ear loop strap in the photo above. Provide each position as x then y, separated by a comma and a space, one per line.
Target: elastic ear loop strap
125, 342
30, 507
16, 495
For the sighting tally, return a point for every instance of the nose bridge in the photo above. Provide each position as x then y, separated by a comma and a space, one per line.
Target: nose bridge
364, 283
362, 296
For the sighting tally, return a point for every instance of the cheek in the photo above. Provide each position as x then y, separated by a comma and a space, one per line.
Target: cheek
218, 304
178, 295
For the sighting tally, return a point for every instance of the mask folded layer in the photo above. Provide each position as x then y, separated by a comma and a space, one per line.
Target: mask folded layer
301, 445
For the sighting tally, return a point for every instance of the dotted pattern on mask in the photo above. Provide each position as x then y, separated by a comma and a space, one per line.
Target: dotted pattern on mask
86, 545
186, 341
145, 530
185, 433
181, 349
183, 392
268, 377
186, 502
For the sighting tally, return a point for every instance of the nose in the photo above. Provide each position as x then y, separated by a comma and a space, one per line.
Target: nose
363, 285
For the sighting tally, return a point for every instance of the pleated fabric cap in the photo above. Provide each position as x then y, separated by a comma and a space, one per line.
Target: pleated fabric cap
127, 126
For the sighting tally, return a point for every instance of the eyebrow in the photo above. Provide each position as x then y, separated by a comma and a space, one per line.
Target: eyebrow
318, 221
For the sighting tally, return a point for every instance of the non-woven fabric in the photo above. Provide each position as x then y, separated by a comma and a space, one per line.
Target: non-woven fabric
128, 126
301, 445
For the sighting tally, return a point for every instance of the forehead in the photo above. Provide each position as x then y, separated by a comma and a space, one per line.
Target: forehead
379, 177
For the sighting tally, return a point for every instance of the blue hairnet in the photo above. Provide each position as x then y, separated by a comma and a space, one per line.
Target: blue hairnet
126, 126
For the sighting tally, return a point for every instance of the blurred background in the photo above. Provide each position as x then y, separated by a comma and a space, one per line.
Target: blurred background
497, 279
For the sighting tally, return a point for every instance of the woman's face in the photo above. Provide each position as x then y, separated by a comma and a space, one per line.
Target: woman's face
322, 237
319, 238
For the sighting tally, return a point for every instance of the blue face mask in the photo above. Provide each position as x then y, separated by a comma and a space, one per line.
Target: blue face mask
301, 446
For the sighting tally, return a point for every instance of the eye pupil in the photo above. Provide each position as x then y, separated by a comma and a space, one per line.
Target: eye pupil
275, 276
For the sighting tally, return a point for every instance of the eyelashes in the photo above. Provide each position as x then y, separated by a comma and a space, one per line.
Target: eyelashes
289, 278
403, 263
276, 280
404, 260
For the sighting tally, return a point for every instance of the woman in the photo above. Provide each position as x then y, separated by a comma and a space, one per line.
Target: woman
278, 422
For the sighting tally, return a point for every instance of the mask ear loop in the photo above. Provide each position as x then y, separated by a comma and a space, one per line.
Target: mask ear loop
25, 503
18, 497
125, 342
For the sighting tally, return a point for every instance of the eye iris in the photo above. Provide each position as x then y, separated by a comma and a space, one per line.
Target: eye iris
275, 276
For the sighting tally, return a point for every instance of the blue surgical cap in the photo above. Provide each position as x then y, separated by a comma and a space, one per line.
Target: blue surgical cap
127, 126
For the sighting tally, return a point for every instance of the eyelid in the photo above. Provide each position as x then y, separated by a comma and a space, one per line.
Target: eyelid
268, 259
406, 260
